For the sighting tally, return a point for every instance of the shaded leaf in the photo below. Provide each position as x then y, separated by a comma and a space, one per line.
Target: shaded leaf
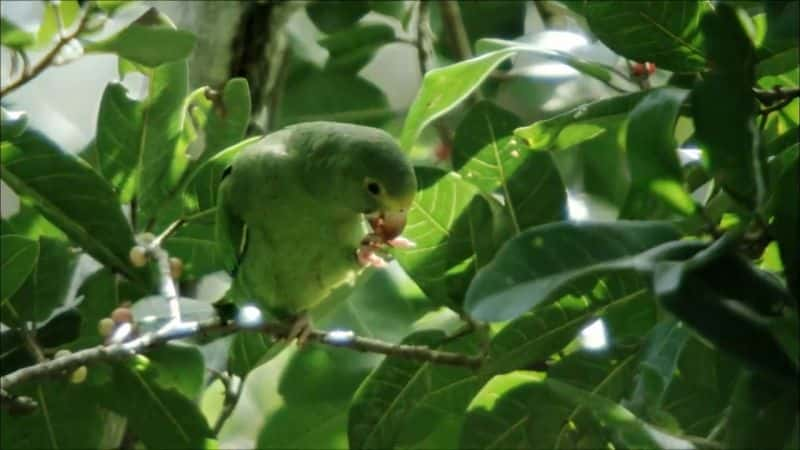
486, 154
762, 414
540, 263
628, 430
72, 196
356, 101
351, 49
47, 286
666, 33
196, 245
19, 255
656, 175
179, 367
723, 106
68, 417
161, 418
61, 329
151, 40
98, 295
786, 224
334, 15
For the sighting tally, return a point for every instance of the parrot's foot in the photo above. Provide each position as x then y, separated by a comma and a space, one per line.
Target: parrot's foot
370, 244
300, 330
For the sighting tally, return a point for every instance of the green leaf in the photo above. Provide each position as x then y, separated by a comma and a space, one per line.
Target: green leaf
351, 49
444, 88
200, 194
514, 410
486, 154
403, 400
67, 10
161, 418
12, 36
762, 414
544, 262
692, 295
723, 106
227, 120
151, 40
656, 174
497, 19
248, 351
335, 15
72, 196
17, 259
13, 123
580, 124
535, 336
356, 101
196, 245
658, 365
453, 227
665, 33
68, 416
137, 141
46, 288
628, 430
179, 367
701, 388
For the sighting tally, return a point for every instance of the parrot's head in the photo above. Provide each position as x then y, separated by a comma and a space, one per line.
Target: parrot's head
365, 172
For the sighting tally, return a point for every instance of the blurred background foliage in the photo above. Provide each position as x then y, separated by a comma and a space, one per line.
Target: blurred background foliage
539, 128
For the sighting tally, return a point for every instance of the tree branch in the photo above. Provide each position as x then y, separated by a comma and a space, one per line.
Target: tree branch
456, 32
777, 94
63, 39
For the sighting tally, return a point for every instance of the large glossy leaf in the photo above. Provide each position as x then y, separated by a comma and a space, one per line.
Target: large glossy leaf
19, 255
664, 32
195, 244
68, 416
161, 418
694, 294
723, 106
656, 174
72, 196
226, 118
514, 410
536, 335
658, 365
151, 40
486, 155
701, 388
444, 88
356, 101
179, 367
46, 287
545, 262
627, 429
580, 124
137, 141
453, 227
403, 400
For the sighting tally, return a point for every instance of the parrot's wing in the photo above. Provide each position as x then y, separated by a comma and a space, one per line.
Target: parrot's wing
231, 231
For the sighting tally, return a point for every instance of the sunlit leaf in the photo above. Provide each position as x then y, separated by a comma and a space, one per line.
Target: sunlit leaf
19, 255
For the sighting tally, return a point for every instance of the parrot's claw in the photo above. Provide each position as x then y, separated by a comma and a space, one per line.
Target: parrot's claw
401, 242
300, 330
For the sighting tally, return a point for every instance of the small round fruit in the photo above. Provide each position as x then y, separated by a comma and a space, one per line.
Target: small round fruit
105, 326
175, 268
78, 376
138, 256
121, 315
62, 353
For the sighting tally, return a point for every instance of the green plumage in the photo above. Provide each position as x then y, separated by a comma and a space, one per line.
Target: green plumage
291, 210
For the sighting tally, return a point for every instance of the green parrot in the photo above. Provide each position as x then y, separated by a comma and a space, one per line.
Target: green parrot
295, 210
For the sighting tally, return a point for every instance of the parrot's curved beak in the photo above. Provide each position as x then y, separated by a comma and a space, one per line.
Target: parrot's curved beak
388, 224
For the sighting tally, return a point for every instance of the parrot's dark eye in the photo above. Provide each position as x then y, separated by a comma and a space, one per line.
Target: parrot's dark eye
374, 188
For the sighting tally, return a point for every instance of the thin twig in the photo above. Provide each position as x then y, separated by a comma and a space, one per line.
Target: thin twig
454, 26
233, 390
768, 97
779, 105
48, 58
424, 44
32, 345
